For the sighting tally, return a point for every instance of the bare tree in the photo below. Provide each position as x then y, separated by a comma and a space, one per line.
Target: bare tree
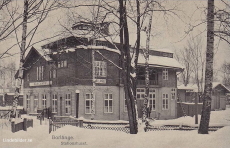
206, 109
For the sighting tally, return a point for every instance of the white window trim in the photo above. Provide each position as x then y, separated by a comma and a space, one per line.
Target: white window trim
35, 99
165, 74
173, 93
100, 68
90, 106
54, 99
141, 93
108, 99
68, 98
44, 101
153, 92
166, 100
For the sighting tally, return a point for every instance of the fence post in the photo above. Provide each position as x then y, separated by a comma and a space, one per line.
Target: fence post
50, 126
25, 124
13, 127
41, 120
80, 123
32, 123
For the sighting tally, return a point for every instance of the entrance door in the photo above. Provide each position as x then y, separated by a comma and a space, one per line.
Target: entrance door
77, 104
60, 105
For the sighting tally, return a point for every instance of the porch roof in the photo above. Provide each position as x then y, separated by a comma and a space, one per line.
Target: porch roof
158, 61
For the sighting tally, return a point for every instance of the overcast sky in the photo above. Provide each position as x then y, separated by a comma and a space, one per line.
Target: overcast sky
168, 33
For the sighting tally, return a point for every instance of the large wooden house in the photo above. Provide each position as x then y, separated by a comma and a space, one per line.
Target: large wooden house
59, 75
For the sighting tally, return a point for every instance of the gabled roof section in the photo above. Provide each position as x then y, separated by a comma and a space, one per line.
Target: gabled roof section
158, 61
44, 53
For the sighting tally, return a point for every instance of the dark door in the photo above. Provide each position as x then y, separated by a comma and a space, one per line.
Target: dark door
60, 105
77, 104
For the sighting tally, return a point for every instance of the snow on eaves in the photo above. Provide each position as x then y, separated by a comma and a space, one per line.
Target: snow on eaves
98, 48
158, 61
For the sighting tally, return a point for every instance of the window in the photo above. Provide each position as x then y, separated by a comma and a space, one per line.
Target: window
53, 74
165, 103
62, 63
100, 68
67, 103
54, 103
125, 109
40, 72
108, 106
88, 103
43, 101
140, 93
173, 93
152, 99
165, 74
35, 103
27, 101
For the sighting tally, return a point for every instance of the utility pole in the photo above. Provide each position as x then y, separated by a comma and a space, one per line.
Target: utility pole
22, 52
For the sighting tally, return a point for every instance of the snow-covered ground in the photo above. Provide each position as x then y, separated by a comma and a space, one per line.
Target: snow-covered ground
70, 136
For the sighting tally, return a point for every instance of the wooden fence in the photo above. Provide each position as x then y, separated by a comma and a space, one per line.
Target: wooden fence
188, 108
21, 125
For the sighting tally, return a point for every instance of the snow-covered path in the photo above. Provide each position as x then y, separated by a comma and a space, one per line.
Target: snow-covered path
70, 136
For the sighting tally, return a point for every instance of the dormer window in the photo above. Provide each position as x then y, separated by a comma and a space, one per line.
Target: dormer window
40, 72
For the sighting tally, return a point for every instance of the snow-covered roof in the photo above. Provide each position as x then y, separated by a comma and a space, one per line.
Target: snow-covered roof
195, 88
158, 61
182, 87
44, 53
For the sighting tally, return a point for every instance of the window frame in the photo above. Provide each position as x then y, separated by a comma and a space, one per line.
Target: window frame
100, 68
90, 103
107, 98
44, 101
165, 74
152, 92
140, 93
165, 101
35, 100
54, 103
68, 98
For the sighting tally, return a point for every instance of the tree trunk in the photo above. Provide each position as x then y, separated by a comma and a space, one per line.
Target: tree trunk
206, 109
22, 52
126, 70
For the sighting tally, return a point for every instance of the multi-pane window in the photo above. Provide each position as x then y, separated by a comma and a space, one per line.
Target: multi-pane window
165, 102
62, 63
40, 72
125, 109
173, 93
53, 73
43, 101
165, 74
27, 101
108, 106
152, 99
68, 104
100, 68
140, 93
35, 102
54, 103
88, 103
